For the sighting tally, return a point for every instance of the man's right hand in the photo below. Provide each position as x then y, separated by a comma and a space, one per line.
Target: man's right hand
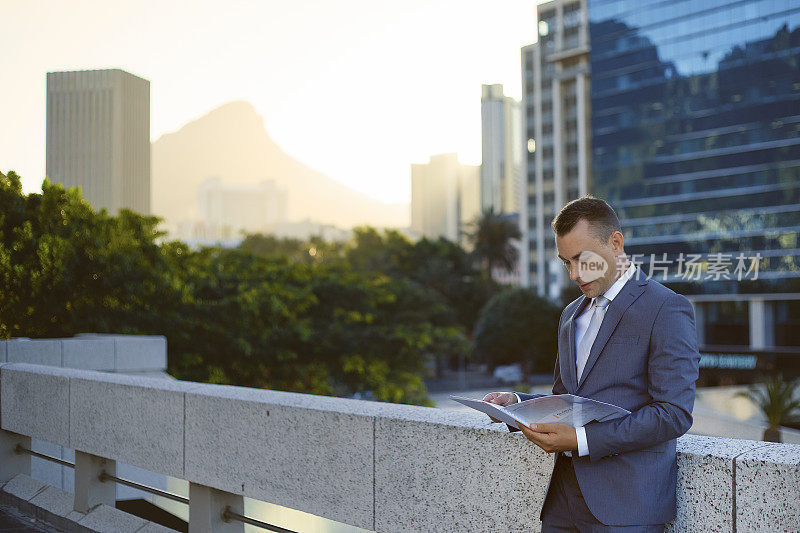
500, 398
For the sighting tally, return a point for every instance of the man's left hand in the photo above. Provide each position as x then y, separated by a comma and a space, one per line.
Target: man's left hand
554, 437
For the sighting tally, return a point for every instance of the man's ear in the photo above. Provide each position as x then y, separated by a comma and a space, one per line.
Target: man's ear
617, 241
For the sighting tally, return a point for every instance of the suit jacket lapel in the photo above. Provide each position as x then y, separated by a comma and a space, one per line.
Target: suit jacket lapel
632, 289
569, 370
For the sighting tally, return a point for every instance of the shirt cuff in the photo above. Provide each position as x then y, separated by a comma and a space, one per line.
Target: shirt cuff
583, 446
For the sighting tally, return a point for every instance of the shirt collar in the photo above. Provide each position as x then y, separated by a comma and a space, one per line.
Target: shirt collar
615, 287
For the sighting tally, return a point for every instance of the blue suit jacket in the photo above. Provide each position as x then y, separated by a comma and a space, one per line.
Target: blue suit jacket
644, 359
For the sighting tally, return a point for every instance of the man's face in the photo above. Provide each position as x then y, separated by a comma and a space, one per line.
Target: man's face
592, 264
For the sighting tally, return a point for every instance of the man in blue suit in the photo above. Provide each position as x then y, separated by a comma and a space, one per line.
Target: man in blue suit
628, 341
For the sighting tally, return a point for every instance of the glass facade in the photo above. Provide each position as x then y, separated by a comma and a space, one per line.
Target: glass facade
695, 132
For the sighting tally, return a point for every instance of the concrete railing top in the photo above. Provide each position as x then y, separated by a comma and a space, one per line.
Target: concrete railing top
379, 466
91, 351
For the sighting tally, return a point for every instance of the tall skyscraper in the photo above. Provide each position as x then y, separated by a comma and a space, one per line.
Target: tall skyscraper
444, 197
555, 97
696, 143
500, 151
98, 136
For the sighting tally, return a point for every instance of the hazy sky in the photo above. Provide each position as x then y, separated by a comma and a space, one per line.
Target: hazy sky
358, 89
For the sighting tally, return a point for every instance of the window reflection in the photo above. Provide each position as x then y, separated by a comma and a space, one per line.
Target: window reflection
696, 111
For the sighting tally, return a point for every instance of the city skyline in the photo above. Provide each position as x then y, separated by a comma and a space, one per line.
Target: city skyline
328, 98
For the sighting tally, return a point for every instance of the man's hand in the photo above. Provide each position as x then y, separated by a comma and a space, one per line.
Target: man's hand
554, 437
500, 398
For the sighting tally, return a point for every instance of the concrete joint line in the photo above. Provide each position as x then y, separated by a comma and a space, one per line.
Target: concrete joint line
733, 484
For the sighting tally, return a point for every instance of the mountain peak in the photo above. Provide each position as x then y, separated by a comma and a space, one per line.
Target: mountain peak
231, 142
238, 115
238, 109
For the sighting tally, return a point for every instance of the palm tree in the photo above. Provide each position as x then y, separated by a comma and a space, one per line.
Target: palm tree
491, 240
777, 401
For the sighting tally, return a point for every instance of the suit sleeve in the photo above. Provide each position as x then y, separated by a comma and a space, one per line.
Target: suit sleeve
672, 370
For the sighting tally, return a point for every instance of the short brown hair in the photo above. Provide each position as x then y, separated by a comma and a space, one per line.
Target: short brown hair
600, 216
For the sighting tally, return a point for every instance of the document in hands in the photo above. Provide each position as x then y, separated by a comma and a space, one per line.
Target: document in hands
567, 409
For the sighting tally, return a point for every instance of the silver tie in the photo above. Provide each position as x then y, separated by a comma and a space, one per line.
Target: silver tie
585, 346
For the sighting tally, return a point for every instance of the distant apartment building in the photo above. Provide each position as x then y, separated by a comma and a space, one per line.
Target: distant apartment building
556, 136
98, 137
501, 156
696, 143
445, 198
230, 209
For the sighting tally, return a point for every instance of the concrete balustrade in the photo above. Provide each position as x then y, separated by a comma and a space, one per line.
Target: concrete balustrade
133, 354
36, 351
384, 467
91, 351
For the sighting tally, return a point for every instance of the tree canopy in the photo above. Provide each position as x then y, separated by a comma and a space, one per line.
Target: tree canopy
250, 316
364, 317
518, 326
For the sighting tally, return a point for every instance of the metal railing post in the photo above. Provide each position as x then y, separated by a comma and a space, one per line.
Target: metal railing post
89, 489
214, 510
206, 509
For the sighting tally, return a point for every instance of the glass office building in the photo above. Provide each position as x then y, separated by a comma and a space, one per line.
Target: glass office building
695, 140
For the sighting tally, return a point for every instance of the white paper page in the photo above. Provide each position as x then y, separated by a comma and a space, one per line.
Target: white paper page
564, 408
490, 409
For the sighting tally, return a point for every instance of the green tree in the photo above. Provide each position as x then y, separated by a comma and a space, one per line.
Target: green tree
447, 268
65, 268
491, 239
272, 246
243, 321
377, 332
517, 326
440, 265
258, 319
323, 329
313, 250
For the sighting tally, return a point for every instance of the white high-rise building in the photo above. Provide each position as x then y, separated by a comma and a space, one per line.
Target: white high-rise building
469, 202
555, 102
444, 197
233, 208
501, 151
98, 137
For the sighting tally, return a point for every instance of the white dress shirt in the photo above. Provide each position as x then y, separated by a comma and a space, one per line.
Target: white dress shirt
581, 324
